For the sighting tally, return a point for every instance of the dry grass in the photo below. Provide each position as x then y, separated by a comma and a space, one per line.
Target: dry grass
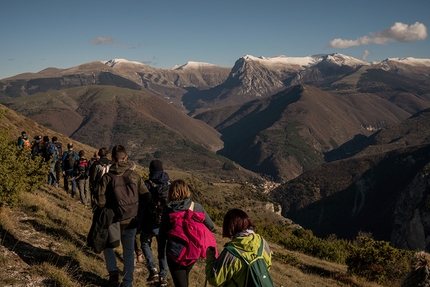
43, 243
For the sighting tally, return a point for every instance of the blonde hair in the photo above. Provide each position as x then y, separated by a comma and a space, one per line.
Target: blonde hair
178, 191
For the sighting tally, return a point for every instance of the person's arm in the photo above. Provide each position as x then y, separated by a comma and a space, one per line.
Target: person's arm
207, 221
144, 194
267, 254
100, 196
221, 270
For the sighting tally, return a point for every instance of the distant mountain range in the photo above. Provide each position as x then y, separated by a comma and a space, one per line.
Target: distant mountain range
275, 116
347, 140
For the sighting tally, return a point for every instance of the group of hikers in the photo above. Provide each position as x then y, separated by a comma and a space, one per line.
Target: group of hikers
74, 167
131, 212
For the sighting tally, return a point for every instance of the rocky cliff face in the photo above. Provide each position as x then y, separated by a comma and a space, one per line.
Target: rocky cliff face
411, 222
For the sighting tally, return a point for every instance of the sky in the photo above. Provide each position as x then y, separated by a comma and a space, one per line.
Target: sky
37, 34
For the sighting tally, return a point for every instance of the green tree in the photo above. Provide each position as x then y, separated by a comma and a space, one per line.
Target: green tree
18, 172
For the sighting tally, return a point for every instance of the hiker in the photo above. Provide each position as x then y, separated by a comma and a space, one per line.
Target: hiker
106, 197
158, 185
82, 177
57, 167
23, 140
97, 170
69, 159
228, 270
49, 155
95, 157
36, 146
178, 200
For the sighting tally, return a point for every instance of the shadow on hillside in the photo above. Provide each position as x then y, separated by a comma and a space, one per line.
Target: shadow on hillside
349, 148
33, 255
363, 199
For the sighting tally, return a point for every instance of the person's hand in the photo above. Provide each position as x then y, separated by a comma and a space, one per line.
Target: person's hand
210, 252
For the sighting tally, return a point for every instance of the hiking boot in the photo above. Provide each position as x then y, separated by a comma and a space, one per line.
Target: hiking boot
113, 278
153, 275
163, 282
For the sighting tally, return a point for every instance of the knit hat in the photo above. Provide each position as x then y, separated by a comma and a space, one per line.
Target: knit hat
155, 165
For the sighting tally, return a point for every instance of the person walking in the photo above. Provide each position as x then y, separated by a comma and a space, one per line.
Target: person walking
228, 270
158, 185
82, 177
69, 159
57, 167
178, 200
23, 140
105, 198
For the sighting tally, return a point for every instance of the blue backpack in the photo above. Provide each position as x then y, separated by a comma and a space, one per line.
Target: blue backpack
51, 152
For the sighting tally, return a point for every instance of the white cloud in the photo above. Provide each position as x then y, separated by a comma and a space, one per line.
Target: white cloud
399, 32
102, 40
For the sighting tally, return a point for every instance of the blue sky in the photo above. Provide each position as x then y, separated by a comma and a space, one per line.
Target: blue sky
37, 34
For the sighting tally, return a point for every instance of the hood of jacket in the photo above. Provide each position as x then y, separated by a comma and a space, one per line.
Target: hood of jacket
179, 205
118, 168
249, 243
159, 177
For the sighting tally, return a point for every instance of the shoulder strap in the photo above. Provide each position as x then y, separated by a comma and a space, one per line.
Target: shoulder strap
127, 173
191, 206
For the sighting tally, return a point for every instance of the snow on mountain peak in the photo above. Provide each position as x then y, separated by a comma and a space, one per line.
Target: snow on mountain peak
192, 65
282, 60
412, 61
112, 62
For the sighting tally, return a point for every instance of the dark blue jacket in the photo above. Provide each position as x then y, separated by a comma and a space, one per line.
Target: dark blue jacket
68, 169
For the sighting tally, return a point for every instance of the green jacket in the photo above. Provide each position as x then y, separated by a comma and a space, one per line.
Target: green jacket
227, 267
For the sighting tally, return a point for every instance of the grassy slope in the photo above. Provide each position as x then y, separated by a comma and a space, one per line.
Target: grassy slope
43, 243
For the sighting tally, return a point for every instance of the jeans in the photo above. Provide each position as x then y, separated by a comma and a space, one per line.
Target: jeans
52, 180
127, 241
83, 186
146, 241
66, 182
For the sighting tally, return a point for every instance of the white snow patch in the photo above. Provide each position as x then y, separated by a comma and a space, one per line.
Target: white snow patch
114, 62
412, 61
193, 65
307, 61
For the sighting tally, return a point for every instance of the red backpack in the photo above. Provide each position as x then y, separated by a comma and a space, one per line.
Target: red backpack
189, 238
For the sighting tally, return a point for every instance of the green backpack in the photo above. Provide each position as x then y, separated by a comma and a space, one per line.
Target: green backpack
257, 272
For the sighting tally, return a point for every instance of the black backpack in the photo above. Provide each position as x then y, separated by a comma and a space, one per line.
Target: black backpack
159, 194
257, 274
125, 194
70, 161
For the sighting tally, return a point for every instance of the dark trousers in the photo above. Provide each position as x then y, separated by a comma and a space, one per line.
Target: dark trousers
179, 273
57, 170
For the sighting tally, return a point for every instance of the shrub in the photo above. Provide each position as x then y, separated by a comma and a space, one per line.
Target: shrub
331, 249
377, 260
18, 172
